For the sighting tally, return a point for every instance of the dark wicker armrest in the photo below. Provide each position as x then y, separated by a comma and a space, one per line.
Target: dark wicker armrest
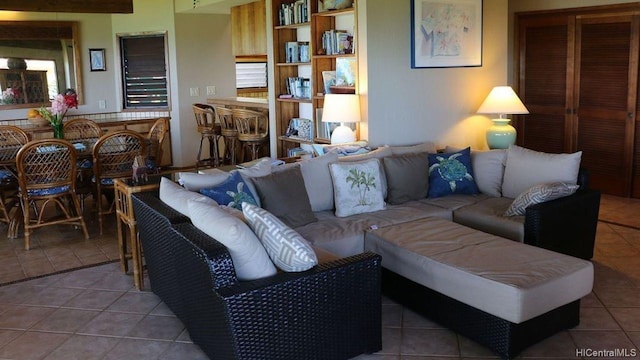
566, 225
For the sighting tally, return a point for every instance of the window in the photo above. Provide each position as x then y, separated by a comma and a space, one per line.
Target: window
144, 71
251, 75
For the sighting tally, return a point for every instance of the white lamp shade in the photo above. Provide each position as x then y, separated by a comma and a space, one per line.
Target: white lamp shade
342, 108
502, 100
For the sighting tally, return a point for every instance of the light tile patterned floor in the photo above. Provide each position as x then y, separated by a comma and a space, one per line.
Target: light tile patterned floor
95, 313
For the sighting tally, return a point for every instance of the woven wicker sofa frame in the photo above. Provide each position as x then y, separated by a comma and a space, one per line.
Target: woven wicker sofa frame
332, 311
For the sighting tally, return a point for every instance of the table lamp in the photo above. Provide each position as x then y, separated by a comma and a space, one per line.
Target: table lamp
342, 108
502, 100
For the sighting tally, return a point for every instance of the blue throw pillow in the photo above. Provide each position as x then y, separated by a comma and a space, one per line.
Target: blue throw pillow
232, 192
451, 173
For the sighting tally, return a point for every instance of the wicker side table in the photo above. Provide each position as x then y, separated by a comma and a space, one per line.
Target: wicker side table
123, 188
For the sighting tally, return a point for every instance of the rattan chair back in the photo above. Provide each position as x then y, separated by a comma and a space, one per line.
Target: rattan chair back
82, 129
155, 139
12, 138
251, 125
47, 174
225, 118
205, 117
113, 157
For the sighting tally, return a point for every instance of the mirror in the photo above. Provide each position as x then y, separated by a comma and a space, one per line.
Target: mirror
38, 59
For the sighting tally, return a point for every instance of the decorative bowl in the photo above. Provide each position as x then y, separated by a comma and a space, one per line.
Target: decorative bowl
38, 120
336, 4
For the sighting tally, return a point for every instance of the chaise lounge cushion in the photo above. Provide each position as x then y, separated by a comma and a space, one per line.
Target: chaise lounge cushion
488, 216
526, 168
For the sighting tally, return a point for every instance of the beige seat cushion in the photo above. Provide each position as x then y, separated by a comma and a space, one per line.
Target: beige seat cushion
488, 216
507, 279
455, 201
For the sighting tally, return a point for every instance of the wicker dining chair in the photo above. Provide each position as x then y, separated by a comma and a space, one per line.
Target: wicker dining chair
228, 132
113, 156
208, 129
83, 133
12, 138
253, 130
155, 140
47, 176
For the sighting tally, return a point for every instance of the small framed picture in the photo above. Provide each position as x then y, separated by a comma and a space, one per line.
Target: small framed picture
96, 56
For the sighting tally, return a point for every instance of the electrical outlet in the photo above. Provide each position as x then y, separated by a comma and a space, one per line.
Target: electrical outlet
211, 90
102, 104
194, 91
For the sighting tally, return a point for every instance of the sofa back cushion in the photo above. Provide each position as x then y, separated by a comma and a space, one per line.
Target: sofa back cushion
488, 169
250, 260
195, 182
407, 177
283, 194
177, 197
357, 187
526, 168
317, 180
428, 146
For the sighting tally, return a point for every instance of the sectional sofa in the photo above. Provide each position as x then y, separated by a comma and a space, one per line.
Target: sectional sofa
344, 205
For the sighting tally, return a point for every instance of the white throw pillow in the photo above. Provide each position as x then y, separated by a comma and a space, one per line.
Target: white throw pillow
177, 197
526, 168
250, 260
195, 182
287, 249
357, 187
488, 169
317, 181
539, 194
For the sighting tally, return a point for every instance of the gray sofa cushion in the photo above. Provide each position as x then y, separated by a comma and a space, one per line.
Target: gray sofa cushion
488, 216
455, 201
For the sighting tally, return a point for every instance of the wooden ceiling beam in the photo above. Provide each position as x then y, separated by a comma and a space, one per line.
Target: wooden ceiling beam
71, 6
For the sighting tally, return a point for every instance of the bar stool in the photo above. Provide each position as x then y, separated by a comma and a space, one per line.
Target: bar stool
229, 132
208, 129
253, 129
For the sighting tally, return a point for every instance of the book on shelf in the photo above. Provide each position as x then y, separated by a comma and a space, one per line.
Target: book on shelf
297, 152
336, 42
297, 51
299, 87
294, 13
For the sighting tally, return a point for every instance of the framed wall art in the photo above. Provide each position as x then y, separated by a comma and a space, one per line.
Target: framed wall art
446, 33
96, 58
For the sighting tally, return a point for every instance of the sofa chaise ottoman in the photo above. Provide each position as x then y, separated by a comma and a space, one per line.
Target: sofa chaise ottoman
501, 293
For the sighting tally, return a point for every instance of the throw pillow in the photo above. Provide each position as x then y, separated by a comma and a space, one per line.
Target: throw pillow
357, 187
526, 168
287, 249
539, 194
451, 173
261, 168
177, 197
378, 153
232, 192
488, 169
250, 259
317, 180
195, 182
407, 177
283, 194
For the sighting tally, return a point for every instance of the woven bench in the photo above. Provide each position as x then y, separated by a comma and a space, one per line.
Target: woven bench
503, 294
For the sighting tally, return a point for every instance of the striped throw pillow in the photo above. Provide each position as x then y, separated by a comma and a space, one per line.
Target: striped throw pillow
287, 249
539, 194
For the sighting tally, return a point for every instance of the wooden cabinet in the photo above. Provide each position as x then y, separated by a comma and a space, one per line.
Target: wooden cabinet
249, 29
31, 84
305, 28
577, 72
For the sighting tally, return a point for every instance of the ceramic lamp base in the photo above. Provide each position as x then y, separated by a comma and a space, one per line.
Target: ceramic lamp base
500, 135
342, 134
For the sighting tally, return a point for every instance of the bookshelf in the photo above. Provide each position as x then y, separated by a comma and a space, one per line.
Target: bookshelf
307, 25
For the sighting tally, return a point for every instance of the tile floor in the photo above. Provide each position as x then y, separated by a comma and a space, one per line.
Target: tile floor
95, 313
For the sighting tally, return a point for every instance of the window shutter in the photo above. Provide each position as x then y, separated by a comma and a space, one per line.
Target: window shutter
144, 71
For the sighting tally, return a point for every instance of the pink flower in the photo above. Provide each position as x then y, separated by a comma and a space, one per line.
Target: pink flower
59, 105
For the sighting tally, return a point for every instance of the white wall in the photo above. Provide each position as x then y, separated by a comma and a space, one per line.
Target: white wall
405, 105
205, 59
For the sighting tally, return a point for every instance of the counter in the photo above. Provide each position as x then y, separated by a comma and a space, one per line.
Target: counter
242, 102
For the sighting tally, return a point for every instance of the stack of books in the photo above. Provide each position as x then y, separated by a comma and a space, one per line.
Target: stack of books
297, 51
336, 42
295, 13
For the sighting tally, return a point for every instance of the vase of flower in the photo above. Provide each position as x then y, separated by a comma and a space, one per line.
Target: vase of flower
58, 129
